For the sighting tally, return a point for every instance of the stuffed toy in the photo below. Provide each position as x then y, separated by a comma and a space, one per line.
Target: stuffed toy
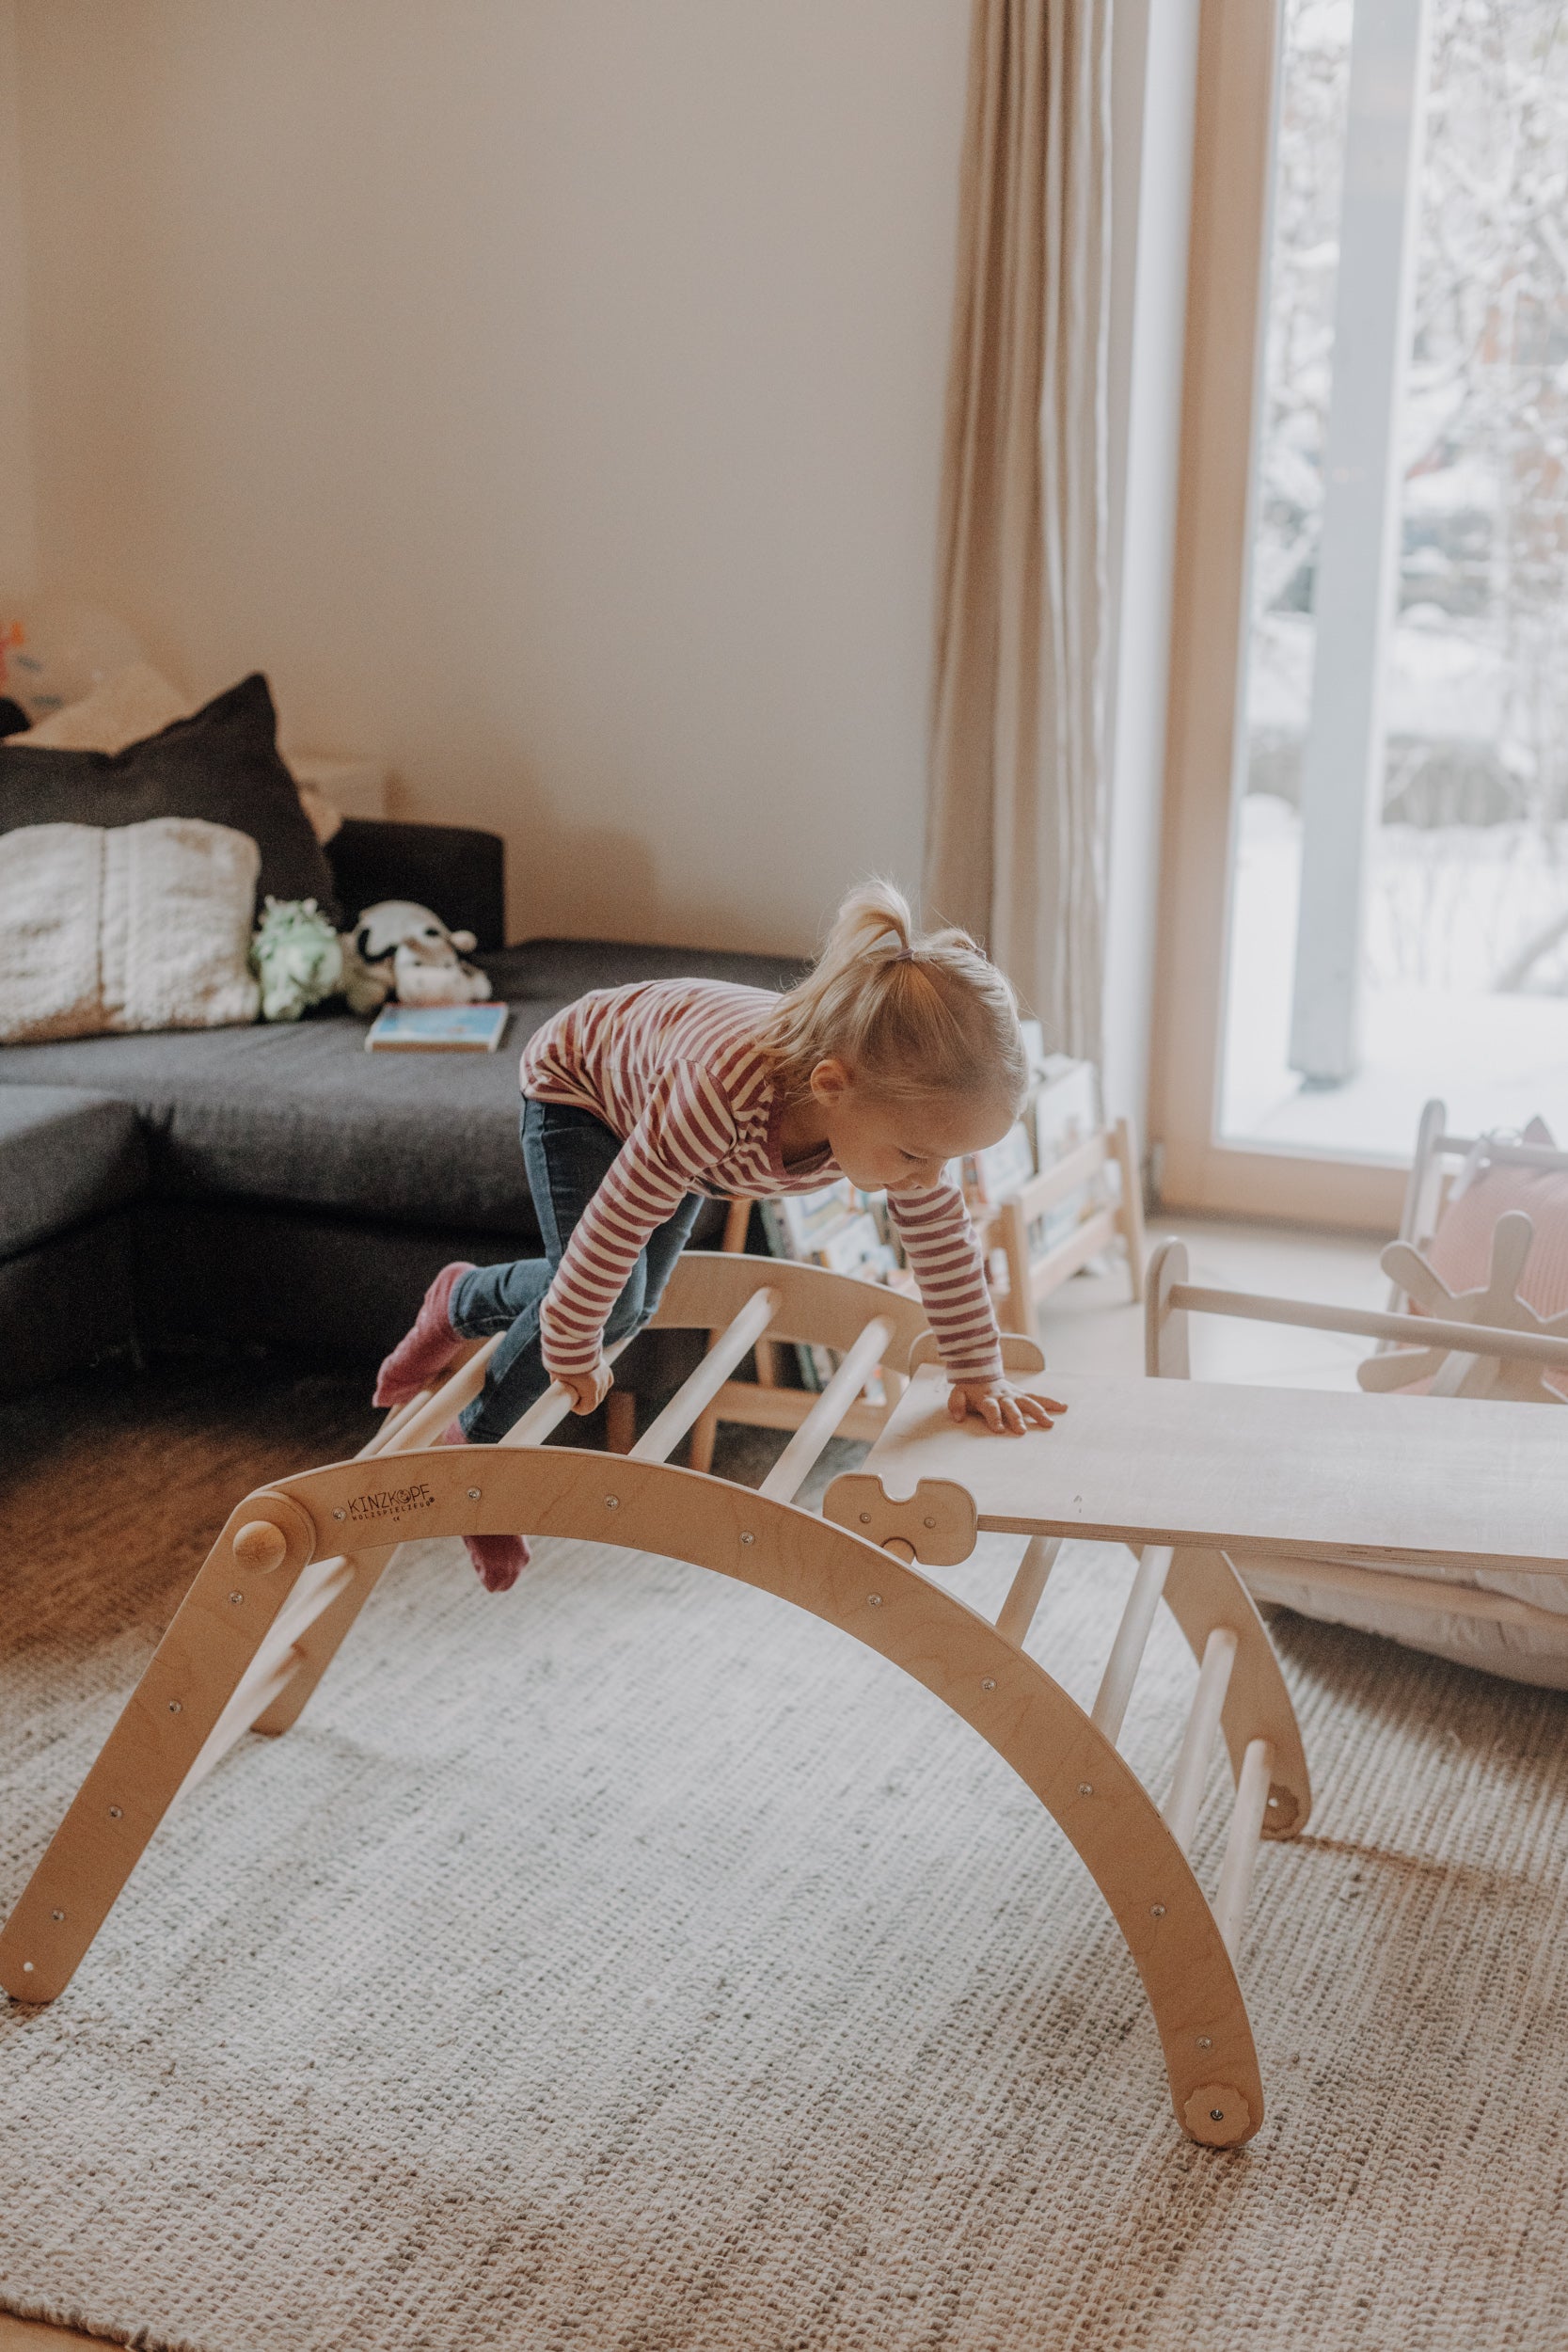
398, 949
298, 957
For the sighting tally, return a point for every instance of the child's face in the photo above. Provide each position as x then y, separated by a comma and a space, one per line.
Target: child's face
884, 1143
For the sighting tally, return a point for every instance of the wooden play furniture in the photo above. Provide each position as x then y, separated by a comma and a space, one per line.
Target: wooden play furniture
1005, 1227
300, 1557
765, 1404
1467, 1478
1437, 1159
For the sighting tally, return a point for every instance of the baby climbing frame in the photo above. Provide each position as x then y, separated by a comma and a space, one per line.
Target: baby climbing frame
299, 1558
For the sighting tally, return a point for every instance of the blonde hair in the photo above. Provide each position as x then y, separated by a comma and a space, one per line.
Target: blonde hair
911, 1015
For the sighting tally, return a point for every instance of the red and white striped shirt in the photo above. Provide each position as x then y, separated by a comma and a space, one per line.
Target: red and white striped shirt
673, 1068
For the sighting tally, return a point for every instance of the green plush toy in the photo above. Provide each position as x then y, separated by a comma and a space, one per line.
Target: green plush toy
297, 956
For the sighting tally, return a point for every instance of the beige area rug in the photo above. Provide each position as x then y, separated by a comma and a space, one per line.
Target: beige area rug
630, 1964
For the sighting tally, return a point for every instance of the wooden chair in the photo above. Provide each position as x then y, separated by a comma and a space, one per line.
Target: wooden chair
299, 1558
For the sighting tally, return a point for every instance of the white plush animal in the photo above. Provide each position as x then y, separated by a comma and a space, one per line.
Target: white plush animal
400, 949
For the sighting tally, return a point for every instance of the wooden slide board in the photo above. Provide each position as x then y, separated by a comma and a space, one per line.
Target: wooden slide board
1273, 1472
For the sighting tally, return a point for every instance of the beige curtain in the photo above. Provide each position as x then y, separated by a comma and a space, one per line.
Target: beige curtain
1017, 835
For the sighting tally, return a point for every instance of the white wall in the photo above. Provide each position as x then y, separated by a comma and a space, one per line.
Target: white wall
546, 393
1154, 89
17, 546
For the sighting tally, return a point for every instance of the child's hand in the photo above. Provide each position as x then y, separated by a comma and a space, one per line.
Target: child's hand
1006, 1411
589, 1388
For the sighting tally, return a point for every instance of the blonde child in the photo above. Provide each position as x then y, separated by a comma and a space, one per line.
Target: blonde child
894, 1056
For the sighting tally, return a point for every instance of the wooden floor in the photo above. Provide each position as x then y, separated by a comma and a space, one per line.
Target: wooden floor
173, 1448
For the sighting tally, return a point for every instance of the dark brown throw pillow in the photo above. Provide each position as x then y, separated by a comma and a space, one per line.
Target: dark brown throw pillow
221, 763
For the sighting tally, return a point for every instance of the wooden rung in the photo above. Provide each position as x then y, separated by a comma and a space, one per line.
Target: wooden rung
1017, 1613
1127, 1650
1190, 1775
760, 1407
1241, 1851
660, 1439
251, 1700
277, 1658
425, 1426
548, 1412
399, 1418
794, 1466
1475, 1339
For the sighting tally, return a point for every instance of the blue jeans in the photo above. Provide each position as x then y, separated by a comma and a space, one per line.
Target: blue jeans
567, 1153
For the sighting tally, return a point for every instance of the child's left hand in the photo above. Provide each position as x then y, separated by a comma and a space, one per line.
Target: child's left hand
1006, 1411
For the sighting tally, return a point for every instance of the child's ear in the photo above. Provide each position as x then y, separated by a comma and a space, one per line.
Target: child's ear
829, 1081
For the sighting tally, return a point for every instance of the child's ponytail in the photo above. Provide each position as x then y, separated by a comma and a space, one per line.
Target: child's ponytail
910, 1015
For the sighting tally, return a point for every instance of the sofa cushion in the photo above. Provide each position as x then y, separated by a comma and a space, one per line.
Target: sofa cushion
298, 1113
220, 764
66, 1155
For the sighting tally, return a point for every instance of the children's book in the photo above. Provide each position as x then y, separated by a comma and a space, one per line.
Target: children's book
436, 1030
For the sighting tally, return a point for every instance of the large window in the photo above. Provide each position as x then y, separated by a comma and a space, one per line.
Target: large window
1393, 919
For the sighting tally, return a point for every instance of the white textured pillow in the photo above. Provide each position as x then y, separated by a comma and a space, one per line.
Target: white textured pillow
137, 927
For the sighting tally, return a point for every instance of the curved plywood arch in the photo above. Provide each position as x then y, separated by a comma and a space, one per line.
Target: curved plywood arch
959, 1656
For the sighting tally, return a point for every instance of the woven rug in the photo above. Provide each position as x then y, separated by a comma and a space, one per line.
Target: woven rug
631, 1964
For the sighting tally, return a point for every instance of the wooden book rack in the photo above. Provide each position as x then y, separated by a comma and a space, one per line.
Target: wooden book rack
298, 1560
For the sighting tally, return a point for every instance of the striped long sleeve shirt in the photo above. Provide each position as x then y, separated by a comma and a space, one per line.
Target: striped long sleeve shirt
673, 1068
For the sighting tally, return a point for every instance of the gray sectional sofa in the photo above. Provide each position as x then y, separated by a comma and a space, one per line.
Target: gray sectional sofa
277, 1186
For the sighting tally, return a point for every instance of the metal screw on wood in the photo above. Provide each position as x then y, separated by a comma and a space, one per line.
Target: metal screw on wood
174, 1707
866, 1518
927, 1522
473, 1494
340, 1514
612, 1502
1206, 2041
1086, 1788
988, 1683
57, 1914
234, 1600
748, 1539
1156, 1910
875, 1600
115, 1813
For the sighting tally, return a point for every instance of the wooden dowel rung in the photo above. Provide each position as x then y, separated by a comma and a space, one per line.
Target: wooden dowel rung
548, 1412
1475, 1339
1193, 1759
252, 1697
795, 1464
1127, 1650
660, 1439
399, 1418
1017, 1613
425, 1426
1241, 1851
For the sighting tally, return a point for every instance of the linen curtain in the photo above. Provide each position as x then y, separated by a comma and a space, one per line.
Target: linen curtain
1016, 846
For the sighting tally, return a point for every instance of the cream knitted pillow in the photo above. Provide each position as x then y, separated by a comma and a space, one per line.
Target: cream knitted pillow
137, 927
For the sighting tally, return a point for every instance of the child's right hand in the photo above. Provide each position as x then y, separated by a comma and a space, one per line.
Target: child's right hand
589, 1388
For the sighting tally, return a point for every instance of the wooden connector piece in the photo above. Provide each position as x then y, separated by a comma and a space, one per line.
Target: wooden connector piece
938, 1522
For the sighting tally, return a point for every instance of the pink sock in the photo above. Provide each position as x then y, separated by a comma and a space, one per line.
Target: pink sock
498, 1560
424, 1354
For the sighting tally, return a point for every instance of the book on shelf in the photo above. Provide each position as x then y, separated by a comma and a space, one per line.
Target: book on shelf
436, 1030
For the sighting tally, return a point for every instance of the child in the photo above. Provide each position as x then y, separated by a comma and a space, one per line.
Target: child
893, 1056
